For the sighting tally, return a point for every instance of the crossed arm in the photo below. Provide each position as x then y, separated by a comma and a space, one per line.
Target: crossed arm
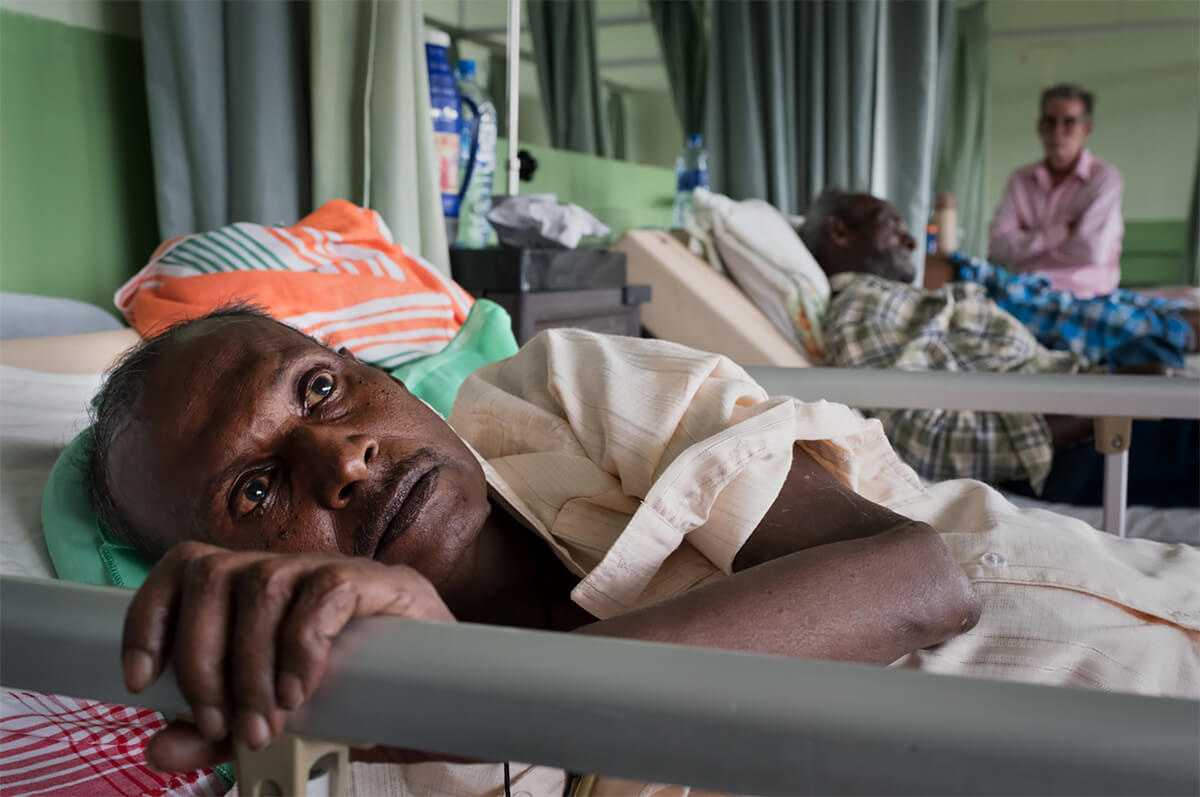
827, 574
1089, 239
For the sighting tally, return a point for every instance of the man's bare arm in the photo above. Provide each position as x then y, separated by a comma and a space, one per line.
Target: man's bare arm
813, 508
827, 574
869, 600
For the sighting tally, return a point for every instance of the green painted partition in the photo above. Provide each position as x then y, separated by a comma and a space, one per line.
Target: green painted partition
623, 195
76, 183
1152, 253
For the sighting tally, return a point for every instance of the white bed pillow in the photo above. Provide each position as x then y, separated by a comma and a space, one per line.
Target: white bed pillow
764, 255
39, 414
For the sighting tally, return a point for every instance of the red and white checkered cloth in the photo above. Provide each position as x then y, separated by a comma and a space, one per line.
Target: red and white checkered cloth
62, 746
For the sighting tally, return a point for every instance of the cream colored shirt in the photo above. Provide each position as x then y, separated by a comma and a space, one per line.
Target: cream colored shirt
646, 466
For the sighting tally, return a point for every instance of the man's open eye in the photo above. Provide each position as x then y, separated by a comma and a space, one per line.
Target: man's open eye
251, 494
319, 388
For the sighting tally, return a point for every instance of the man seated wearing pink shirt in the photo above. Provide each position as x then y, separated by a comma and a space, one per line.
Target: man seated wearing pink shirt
1061, 216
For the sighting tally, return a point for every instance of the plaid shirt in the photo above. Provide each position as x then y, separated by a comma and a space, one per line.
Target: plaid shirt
1089, 327
878, 323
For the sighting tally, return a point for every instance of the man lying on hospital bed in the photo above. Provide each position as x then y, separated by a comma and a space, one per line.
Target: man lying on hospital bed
876, 318
610, 486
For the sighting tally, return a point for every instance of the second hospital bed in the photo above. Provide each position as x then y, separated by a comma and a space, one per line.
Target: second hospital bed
695, 305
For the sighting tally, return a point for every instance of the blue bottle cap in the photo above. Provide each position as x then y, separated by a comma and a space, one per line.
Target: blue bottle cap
466, 69
695, 140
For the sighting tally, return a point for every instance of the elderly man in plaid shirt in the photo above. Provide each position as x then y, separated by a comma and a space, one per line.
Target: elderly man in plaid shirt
878, 319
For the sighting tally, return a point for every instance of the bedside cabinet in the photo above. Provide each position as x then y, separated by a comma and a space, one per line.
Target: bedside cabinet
547, 288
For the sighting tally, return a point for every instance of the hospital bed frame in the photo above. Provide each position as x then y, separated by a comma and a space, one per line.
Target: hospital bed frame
1113, 400
735, 722
669, 714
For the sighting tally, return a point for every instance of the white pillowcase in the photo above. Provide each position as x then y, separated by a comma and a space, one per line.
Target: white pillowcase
764, 255
39, 414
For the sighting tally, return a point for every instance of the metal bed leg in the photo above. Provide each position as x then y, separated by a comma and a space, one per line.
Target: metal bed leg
287, 766
1112, 440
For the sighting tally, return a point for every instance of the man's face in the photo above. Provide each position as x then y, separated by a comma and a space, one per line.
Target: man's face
253, 437
878, 239
1063, 128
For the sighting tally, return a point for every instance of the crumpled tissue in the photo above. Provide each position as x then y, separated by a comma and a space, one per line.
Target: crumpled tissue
540, 220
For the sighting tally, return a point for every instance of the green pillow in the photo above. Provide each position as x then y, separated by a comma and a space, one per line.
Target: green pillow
82, 551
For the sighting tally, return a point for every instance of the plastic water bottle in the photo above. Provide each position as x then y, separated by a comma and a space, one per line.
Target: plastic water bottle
691, 172
477, 158
443, 102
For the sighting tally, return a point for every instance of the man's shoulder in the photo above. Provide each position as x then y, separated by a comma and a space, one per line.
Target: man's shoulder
1105, 171
865, 298
858, 286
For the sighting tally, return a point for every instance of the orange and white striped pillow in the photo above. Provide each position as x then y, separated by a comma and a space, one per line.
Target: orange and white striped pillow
337, 275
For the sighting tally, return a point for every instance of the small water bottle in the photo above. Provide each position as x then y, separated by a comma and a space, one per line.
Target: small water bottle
691, 172
477, 158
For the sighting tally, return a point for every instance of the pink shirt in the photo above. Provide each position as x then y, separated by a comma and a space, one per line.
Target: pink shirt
1071, 233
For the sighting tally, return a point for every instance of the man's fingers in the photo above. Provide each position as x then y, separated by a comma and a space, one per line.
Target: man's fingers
250, 635
146, 639
180, 747
263, 593
327, 600
202, 640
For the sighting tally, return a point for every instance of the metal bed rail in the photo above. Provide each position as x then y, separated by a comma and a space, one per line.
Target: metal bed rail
727, 721
1114, 400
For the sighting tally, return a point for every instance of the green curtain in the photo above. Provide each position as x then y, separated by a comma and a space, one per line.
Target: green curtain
1192, 262
962, 157
372, 130
372, 135
564, 47
615, 112
807, 96
226, 96
679, 25
260, 111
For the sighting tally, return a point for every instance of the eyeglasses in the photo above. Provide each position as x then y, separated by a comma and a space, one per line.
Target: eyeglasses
1048, 123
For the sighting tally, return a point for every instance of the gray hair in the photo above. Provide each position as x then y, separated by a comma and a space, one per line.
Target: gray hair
832, 203
112, 410
1068, 91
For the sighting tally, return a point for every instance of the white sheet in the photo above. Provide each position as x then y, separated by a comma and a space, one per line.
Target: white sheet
1164, 525
39, 414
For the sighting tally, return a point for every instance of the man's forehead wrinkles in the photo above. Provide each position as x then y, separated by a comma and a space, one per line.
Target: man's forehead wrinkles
217, 396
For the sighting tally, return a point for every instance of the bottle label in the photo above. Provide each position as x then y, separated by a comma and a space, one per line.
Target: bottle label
446, 147
691, 179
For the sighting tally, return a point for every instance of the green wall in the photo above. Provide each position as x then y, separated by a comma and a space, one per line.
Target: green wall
76, 183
